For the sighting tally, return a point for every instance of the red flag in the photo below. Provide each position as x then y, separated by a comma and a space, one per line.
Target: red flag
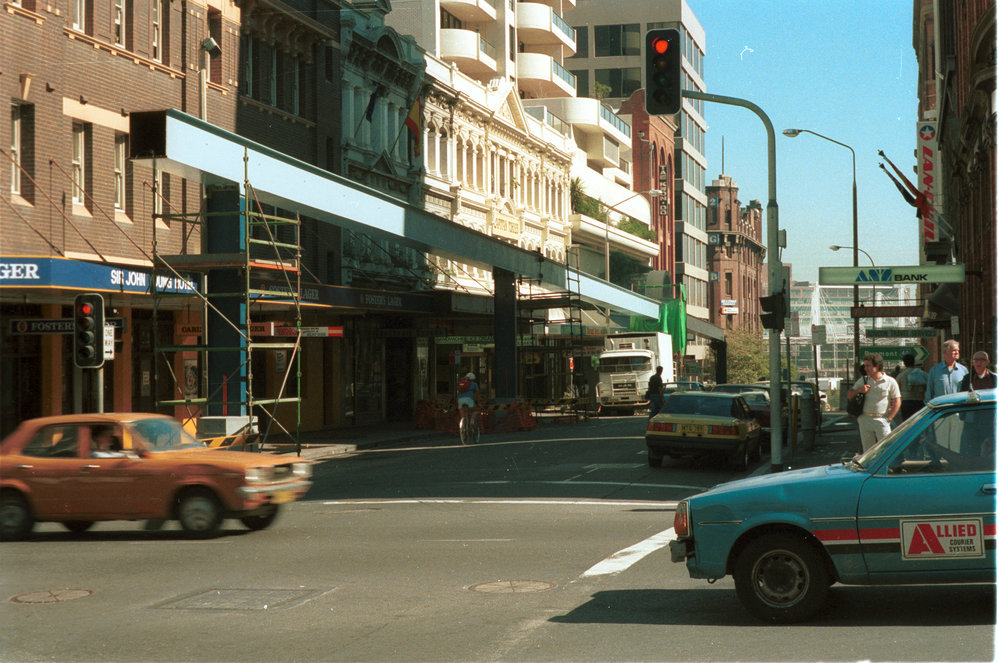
414, 122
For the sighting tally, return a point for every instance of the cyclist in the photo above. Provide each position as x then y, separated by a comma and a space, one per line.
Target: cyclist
467, 389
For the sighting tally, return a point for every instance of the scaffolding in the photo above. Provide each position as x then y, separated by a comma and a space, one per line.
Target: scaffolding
269, 268
564, 384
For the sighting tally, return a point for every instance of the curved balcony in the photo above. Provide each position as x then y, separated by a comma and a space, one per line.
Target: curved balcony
472, 11
540, 75
474, 56
538, 24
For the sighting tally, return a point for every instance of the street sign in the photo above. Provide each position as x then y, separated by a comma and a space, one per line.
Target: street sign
891, 275
108, 342
892, 354
902, 332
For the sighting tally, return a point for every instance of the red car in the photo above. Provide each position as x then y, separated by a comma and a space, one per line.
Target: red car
78, 469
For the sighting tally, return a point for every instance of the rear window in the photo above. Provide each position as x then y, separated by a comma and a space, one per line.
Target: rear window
689, 404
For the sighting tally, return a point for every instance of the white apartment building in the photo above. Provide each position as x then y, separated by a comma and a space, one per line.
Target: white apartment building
608, 63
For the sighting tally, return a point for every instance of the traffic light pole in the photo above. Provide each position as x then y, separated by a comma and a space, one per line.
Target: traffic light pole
773, 267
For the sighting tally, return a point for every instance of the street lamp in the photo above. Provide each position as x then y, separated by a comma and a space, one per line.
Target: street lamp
793, 133
837, 247
650, 192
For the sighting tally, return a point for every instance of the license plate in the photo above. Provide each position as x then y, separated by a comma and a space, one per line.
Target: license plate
283, 496
690, 429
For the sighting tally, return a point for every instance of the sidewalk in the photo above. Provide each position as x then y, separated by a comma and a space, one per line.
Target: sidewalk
838, 436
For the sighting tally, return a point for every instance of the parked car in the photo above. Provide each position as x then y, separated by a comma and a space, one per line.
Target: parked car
683, 385
57, 469
762, 411
918, 507
701, 423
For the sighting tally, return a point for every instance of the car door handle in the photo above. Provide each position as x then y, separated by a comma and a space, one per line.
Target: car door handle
989, 489
25, 466
91, 467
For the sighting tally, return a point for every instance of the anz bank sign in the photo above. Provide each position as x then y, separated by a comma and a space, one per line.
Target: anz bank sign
891, 275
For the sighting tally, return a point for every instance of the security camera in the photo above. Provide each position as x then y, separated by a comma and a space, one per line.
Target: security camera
211, 47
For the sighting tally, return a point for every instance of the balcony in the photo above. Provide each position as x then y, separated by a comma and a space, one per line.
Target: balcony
538, 24
541, 76
474, 56
471, 11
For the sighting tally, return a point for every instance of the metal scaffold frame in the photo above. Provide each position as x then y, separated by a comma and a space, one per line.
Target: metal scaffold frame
270, 277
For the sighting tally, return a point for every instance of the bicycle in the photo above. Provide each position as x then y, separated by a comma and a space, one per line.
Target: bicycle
468, 425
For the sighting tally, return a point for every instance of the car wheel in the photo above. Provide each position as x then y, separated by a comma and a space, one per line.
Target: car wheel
199, 513
78, 526
16, 521
655, 459
261, 520
781, 578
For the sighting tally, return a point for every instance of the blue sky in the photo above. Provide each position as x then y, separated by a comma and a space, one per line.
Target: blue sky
842, 68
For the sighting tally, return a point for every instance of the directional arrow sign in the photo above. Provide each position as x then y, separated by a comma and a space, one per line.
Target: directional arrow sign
892, 354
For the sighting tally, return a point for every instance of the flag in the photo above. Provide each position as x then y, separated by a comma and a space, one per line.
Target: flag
377, 92
923, 208
909, 198
414, 122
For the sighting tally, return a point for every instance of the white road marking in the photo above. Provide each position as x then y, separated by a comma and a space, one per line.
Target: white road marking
623, 559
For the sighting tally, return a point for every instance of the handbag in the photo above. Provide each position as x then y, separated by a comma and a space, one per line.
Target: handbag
855, 406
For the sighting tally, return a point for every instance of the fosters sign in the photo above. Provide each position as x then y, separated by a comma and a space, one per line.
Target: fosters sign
891, 275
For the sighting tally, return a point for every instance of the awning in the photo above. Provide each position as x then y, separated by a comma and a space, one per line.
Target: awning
197, 150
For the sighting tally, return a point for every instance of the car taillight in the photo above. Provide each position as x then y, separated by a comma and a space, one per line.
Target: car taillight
681, 525
661, 427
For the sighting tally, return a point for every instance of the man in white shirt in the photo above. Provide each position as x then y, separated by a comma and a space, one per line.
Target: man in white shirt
881, 403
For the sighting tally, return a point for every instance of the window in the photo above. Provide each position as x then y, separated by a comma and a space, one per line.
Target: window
582, 82
120, 152
54, 442
159, 30
582, 42
118, 18
622, 82
212, 62
15, 148
79, 15
449, 21
957, 441
79, 163
613, 40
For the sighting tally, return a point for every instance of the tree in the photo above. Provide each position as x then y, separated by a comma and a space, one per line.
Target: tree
748, 356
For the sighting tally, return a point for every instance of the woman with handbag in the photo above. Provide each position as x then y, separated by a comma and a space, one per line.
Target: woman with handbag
881, 401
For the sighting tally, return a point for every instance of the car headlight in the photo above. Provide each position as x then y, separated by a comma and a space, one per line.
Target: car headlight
259, 474
302, 470
681, 522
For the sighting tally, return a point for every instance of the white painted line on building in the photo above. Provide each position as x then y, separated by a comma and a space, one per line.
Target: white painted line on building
623, 559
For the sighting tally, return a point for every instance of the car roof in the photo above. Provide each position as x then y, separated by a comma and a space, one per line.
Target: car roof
962, 397
119, 417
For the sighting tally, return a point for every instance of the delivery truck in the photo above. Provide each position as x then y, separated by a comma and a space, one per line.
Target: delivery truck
627, 362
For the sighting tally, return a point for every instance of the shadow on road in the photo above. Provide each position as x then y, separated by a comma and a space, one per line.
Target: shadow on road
922, 605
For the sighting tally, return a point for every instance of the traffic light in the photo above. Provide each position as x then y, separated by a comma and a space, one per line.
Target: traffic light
662, 71
773, 313
88, 330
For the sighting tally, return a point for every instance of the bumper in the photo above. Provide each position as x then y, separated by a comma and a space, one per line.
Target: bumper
680, 444
680, 550
253, 496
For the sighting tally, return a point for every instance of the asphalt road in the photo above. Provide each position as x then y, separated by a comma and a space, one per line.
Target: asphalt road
542, 546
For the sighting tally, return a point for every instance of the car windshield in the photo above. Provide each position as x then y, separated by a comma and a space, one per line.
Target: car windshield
164, 434
691, 404
873, 456
625, 364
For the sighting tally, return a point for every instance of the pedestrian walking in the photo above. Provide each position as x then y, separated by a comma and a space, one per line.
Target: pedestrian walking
655, 392
980, 377
912, 384
881, 403
945, 377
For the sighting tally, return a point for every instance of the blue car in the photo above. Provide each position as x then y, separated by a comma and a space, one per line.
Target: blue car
919, 507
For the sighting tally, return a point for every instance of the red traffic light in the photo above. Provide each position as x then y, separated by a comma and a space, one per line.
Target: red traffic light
85, 309
660, 46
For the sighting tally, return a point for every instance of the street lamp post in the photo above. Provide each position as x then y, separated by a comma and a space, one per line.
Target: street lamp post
650, 192
792, 133
837, 247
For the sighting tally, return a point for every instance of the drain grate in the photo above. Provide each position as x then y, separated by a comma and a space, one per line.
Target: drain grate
512, 587
242, 599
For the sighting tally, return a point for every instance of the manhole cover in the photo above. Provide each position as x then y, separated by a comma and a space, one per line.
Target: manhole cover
512, 586
242, 599
52, 596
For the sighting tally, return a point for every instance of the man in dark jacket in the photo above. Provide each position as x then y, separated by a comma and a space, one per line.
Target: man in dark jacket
980, 377
656, 392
